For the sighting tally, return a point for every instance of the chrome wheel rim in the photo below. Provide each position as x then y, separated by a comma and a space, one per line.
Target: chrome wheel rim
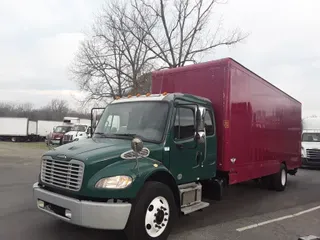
157, 217
283, 177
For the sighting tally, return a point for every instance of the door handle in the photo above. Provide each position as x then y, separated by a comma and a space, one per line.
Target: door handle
198, 158
179, 146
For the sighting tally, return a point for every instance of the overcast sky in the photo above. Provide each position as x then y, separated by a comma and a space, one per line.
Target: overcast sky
38, 39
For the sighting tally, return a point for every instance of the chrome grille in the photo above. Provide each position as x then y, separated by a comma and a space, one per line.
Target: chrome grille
67, 137
62, 174
313, 154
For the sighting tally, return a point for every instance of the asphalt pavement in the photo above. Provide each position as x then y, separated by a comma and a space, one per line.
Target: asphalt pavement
246, 212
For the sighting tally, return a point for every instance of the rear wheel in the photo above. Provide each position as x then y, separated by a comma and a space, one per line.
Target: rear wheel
279, 180
153, 213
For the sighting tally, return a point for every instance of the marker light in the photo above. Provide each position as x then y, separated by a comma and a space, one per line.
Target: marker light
40, 204
68, 213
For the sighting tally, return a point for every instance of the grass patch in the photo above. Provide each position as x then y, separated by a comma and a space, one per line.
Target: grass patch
33, 145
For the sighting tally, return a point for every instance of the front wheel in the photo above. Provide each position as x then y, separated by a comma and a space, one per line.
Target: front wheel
153, 213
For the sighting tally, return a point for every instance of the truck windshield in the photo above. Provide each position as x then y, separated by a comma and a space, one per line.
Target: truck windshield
311, 137
146, 120
62, 129
80, 128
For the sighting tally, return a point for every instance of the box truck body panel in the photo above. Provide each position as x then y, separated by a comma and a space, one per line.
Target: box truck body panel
46, 127
13, 126
32, 128
257, 125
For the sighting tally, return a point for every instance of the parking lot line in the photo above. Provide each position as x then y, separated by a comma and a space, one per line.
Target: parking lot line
278, 219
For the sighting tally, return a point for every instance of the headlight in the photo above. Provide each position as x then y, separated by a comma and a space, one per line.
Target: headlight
116, 182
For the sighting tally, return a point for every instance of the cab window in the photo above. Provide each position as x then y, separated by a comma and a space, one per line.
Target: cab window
208, 123
113, 123
184, 126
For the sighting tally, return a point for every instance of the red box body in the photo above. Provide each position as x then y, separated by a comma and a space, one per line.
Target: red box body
257, 124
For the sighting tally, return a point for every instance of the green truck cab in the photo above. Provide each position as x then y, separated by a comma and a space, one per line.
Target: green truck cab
138, 171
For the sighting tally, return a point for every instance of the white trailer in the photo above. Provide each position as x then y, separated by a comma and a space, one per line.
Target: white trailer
46, 127
18, 129
70, 120
84, 121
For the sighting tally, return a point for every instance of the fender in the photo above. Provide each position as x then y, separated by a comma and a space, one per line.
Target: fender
147, 169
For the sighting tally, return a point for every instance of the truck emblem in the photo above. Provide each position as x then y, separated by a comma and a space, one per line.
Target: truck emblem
233, 160
62, 156
179, 176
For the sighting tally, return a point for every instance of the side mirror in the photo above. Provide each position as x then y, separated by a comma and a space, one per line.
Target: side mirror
197, 136
88, 132
94, 120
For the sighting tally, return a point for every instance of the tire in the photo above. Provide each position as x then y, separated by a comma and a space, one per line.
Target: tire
150, 209
279, 180
266, 182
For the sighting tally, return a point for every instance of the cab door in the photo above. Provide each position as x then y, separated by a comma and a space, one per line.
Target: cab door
208, 166
186, 155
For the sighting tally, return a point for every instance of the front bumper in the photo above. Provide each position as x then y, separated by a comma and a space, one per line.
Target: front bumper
310, 163
99, 215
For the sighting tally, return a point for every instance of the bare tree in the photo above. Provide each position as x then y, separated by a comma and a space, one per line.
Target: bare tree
57, 108
54, 111
142, 86
131, 38
109, 63
179, 31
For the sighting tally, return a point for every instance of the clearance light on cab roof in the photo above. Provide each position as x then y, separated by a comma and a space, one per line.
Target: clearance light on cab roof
129, 96
148, 94
138, 95
117, 97
164, 94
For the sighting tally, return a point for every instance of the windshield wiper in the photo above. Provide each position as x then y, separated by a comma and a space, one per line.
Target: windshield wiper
125, 134
132, 135
101, 134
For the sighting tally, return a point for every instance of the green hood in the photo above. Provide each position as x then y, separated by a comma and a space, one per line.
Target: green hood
102, 158
92, 150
